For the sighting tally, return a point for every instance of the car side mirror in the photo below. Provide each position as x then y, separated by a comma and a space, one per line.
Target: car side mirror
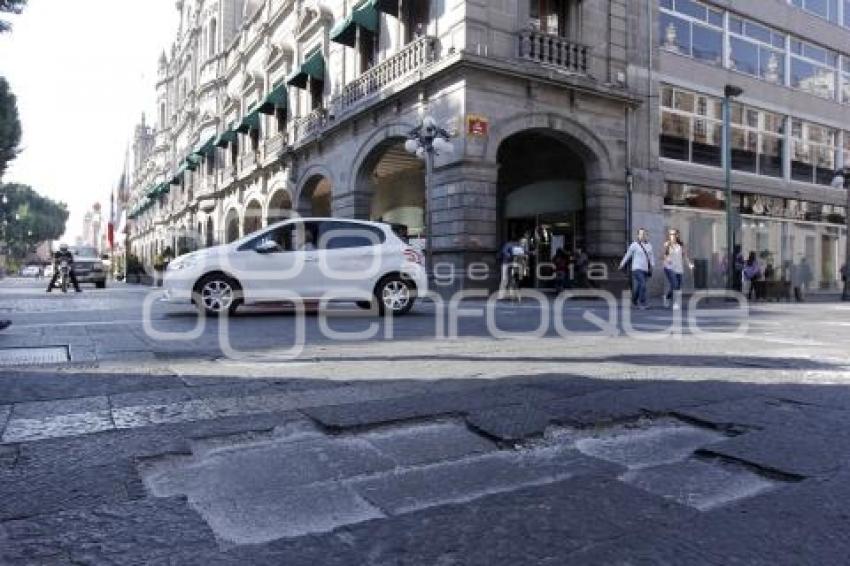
267, 247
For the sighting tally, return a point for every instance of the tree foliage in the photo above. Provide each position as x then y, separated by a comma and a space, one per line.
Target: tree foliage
12, 7
10, 126
28, 219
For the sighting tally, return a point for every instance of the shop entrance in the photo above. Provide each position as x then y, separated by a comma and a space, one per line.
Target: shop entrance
541, 200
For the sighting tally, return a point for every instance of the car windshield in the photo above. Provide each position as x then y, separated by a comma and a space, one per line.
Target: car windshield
83, 251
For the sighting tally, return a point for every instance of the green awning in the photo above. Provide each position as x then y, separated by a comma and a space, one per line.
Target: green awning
192, 161
386, 6
277, 98
364, 15
163, 189
227, 137
151, 191
251, 121
175, 180
206, 148
313, 66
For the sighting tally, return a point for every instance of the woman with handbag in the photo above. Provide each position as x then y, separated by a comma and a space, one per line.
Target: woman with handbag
675, 257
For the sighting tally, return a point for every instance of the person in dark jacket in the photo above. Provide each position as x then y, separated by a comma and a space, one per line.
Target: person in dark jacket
64, 254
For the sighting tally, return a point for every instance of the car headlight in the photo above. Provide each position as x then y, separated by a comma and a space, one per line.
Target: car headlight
182, 263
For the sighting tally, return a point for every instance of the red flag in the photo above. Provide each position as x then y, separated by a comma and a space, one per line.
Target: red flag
110, 227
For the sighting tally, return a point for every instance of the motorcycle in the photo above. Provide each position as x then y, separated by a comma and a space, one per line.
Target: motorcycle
64, 275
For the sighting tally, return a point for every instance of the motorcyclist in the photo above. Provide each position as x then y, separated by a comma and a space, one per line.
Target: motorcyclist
64, 254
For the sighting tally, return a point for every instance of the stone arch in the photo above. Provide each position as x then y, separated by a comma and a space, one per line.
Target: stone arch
368, 154
252, 216
315, 193
599, 163
279, 206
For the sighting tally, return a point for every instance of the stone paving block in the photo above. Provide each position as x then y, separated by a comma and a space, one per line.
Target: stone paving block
763, 412
26, 491
789, 449
247, 405
510, 423
266, 515
643, 445
155, 397
542, 524
41, 409
5, 412
698, 484
43, 386
25, 430
468, 479
138, 532
427, 443
262, 466
421, 406
132, 417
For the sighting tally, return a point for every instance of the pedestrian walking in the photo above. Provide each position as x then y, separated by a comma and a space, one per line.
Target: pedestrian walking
511, 257
675, 258
639, 256
750, 274
4, 324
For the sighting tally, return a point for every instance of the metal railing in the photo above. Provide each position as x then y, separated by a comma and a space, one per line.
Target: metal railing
553, 50
273, 146
309, 124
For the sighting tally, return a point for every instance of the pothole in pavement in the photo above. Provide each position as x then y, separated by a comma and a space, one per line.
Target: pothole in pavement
660, 458
296, 480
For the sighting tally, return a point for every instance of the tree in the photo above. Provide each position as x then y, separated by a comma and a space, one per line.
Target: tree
12, 7
27, 219
10, 126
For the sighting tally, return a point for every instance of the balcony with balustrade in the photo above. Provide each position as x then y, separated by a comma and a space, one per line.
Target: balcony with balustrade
553, 51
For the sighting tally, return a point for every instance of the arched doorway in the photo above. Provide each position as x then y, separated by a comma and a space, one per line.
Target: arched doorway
395, 179
280, 207
541, 191
253, 217
231, 226
209, 234
315, 197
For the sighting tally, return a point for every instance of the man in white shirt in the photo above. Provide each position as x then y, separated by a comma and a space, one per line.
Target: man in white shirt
642, 261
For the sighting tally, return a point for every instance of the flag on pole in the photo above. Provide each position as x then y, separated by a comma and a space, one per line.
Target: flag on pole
110, 227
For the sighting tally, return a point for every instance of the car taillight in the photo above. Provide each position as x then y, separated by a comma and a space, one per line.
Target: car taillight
413, 256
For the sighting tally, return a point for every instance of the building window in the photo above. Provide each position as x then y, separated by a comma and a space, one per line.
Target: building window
416, 16
280, 119
757, 141
845, 80
826, 9
691, 127
255, 140
813, 152
367, 46
548, 16
316, 88
234, 153
846, 150
847, 13
813, 69
756, 50
691, 29
212, 37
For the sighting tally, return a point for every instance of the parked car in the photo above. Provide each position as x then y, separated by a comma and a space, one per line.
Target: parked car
88, 267
31, 271
306, 259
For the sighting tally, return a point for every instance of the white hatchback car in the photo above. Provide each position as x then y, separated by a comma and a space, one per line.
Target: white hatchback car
303, 259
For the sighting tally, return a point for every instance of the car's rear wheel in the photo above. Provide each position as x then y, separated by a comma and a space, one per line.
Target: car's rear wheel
217, 294
396, 294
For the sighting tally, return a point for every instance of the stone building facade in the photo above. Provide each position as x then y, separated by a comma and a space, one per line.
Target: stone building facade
554, 106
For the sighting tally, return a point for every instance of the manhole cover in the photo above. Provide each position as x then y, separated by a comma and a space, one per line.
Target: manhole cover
34, 356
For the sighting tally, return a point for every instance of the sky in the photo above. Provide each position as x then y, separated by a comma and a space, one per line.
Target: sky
83, 73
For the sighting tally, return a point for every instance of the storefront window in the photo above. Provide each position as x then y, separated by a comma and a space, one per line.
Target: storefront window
690, 28
691, 127
813, 69
757, 141
845, 80
792, 239
756, 50
812, 153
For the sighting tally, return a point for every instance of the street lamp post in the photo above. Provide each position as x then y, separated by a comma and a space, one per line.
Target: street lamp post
426, 141
729, 93
842, 180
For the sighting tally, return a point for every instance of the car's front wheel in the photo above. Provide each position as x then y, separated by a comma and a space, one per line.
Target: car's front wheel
217, 294
396, 294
